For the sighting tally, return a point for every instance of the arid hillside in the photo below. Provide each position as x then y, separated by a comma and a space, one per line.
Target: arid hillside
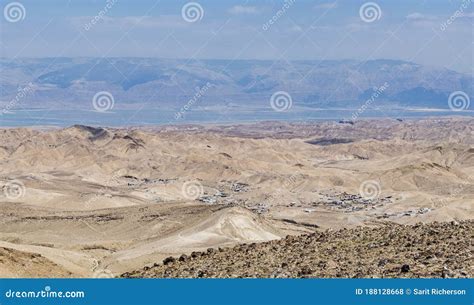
100, 202
433, 250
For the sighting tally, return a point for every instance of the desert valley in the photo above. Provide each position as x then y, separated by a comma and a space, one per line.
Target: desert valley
370, 198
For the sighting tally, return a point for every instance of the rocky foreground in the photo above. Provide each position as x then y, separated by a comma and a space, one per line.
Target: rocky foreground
436, 250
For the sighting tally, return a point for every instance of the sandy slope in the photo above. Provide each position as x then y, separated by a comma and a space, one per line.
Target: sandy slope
19, 264
100, 201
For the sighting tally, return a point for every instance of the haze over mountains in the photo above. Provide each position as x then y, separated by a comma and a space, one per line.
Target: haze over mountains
169, 84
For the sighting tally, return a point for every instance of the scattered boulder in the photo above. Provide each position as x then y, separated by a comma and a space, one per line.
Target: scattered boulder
169, 260
405, 268
436, 250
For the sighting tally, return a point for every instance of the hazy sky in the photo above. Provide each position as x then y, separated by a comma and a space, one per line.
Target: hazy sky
435, 32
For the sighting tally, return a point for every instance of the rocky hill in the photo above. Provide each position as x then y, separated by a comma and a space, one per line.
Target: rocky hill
439, 250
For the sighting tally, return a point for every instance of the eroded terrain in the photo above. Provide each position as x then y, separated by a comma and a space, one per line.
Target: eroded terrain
101, 202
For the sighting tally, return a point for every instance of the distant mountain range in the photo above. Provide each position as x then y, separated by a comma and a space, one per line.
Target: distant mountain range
170, 84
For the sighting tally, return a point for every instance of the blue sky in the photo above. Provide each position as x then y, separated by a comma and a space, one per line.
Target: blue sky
405, 29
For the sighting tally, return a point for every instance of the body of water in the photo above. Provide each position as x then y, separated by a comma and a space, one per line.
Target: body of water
141, 117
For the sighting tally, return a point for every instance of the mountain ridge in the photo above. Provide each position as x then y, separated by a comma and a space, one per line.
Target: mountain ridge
170, 83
